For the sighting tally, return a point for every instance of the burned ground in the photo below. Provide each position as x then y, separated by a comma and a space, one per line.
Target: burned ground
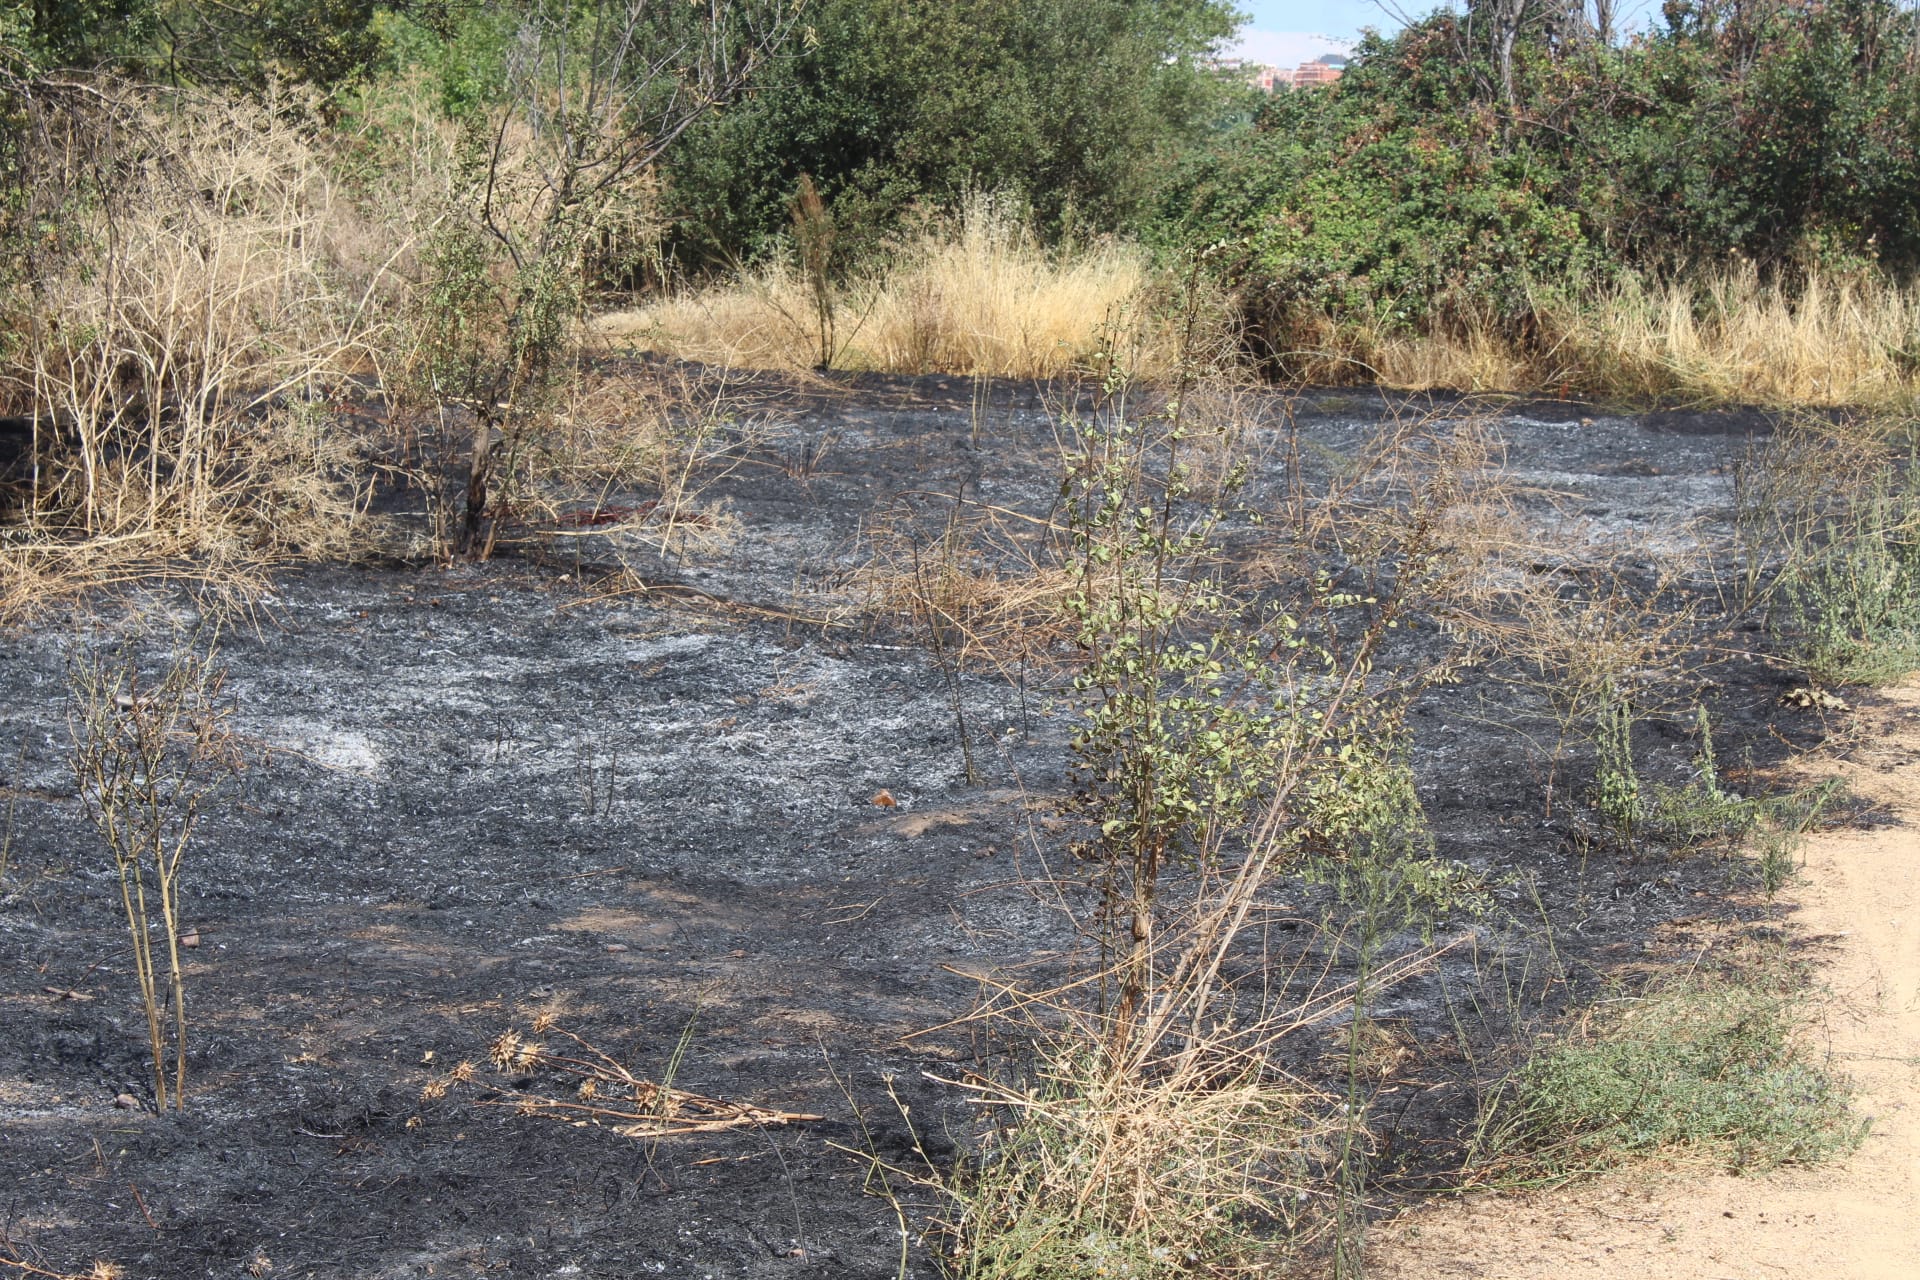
478, 794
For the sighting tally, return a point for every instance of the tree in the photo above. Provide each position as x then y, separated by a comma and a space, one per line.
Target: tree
596, 92
1076, 105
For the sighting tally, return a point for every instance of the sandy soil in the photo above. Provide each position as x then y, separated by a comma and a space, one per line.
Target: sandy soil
1859, 904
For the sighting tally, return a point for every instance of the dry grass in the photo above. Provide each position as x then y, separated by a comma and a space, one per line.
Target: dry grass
200, 325
986, 587
616, 436
974, 294
1339, 353
1188, 1150
562, 1074
1715, 338
11, 1258
978, 296
1475, 360
1093, 1171
1733, 337
181, 341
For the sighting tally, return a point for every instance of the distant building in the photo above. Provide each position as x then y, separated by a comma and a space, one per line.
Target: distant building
1322, 70
1325, 69
1262, 77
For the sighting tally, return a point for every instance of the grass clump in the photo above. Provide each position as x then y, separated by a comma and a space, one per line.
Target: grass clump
1104, 1173
1708, 1069
1735, 337
1857, 599
974, 293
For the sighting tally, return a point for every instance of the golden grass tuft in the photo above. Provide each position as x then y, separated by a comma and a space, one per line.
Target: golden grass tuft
1833, 340
974, 294
1727, 337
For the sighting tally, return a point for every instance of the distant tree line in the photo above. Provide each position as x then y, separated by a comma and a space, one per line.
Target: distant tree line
1476, 166
1483, 164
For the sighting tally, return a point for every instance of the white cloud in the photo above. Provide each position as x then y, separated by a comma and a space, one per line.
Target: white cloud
1283, 48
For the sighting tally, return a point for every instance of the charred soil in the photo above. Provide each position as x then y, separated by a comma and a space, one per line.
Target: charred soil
482, 794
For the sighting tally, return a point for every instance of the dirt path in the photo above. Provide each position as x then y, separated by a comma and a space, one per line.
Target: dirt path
1859, 901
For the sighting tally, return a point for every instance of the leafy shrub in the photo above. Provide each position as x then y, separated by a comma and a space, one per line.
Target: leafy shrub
1436, 189
1073, 104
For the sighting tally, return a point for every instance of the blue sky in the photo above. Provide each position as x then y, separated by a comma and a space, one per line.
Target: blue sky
1285, 33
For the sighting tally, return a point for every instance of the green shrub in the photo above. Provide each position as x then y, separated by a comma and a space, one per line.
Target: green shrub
1074, 105
1433, 190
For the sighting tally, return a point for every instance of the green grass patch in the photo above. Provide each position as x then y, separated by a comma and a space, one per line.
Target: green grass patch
1706, 1069
1857, 600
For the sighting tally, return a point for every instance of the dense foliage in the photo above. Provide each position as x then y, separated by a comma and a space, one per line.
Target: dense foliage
1441, 182
1075, 106
237, 41
1472, 173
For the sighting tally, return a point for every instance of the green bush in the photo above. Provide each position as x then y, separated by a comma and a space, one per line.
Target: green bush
1074, 105
1391, 202
1419, 195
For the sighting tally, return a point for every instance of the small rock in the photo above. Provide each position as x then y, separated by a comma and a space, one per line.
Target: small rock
884, 799
126, 1102
190, 939
616, 946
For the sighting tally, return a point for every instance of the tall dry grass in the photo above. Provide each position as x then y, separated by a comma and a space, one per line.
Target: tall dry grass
1732, 336
976, 294
1725, 337
179, 343
972, 294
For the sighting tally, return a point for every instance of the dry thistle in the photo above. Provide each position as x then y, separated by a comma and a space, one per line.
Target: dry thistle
504, 1050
